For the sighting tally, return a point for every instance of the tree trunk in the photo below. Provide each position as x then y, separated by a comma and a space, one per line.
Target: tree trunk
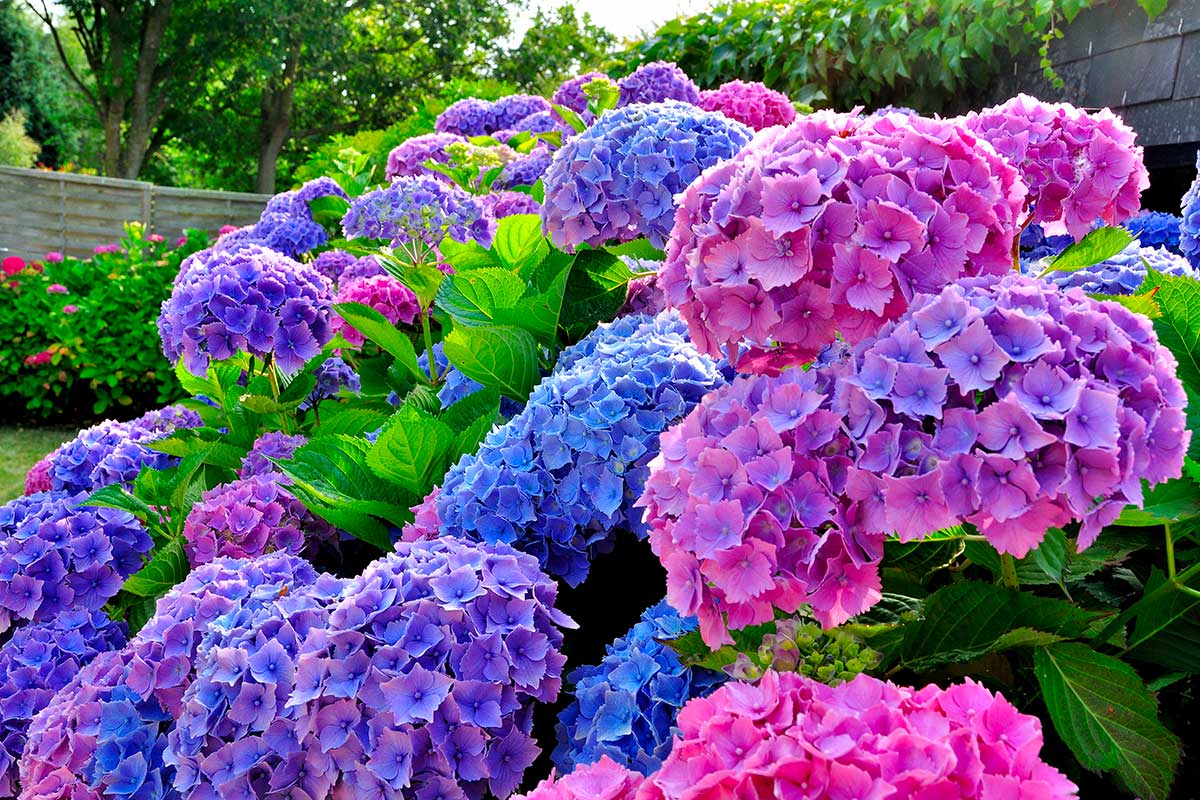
275, 120
145, 106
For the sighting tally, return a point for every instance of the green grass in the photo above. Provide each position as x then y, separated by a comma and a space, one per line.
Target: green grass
20, 448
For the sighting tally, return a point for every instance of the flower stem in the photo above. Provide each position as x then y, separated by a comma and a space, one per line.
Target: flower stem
433, 376
1170, 552
1008, 571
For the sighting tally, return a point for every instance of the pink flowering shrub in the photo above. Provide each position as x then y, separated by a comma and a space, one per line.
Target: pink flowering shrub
383, 293
604, 780
832, 225
246, 518
751, 104
1079, 166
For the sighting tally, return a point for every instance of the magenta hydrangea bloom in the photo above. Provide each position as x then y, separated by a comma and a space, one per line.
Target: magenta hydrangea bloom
37, 662
38, 477
793, 738
656, 82
425, 677
507, 204
617, 180
251, 300
1078, 166
510, 111
570, 93
751, 104
249, 517
410, 157
831, 225
383, 293
603, 780
467, 117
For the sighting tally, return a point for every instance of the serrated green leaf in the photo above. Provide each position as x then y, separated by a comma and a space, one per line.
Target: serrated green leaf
411, 448
595, 291
464, 256
1166, 628
116, 496
1099, 245
519, 242
1103, 711
168, 565
638, 248
1173, 501
373, 325
500, 357
1144, 303
1178, 326
475, 297
484, 403
261, 404
349, 420
1051, 555
1024, 637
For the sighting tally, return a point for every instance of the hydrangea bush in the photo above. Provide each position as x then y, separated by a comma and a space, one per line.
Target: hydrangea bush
617, 180
656, 82
751, 104
385, 294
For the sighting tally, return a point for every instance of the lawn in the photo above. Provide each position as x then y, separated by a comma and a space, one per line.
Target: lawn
20, 448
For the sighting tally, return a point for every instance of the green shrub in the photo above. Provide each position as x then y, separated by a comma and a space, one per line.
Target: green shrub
78, 336
17, 148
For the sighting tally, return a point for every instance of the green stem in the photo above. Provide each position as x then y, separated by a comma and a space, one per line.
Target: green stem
273, 378
1008, 571
1170, 552
428, 345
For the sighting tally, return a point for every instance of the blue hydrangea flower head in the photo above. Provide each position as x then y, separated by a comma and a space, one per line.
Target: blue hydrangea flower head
656, 82
333, 375
419, 209
1036, 245
560, 478
1189, 225
1155, 229
287, 225
618, 179
1124, 273
625, 706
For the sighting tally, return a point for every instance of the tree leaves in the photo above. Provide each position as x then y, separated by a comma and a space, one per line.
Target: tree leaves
1107, 716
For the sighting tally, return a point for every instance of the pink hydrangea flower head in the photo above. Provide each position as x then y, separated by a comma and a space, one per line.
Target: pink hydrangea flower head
54, 257
793, 738
70, 308
383, 293
426, 522
101, 249
604, 780
57, 288
751, 104
38, 477
832, 225
1079, 166
224, 229
156, 238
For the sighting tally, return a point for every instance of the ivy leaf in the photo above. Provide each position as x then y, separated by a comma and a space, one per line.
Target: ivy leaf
168, 565
501, 357
1107, 716
375, 326
1099, 245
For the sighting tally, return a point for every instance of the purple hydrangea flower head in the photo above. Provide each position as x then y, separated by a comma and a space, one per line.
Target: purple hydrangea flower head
625, 706
507, 204
419, 209
751, 104
543, 122
226, 242
426, 673
831, 225
656, 82
58, 557
409, 158
365, 267
115, 452
385, 294
508, 111
1155, 229
643, 295
617, 180
332, 263
467, 117
773, 739
274, 444
105, 736
1078, 166
1189, 225
320, 187
524, 170
558, 479
287, 225
37, 662
38, 477
253, 300
332, 376
1122, 274
570, 93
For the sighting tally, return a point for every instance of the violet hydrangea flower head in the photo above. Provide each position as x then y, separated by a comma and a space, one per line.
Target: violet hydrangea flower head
831, 225
655, 82
558, 480
426, 673
332, 263
508, 111
37, 662
1122, 274
643, 295
418, 209
625, 706
332, 376
1155, 229
273, 444
972, 744
570, 93
618, 179
410, 157
385, 294
751, 104
508, 204
287, 225
1078, 166
115, 452
59, 557
38, 477
524, 170
603, 780
467, 117
253, 300
365, 267
1189, 224
542, 122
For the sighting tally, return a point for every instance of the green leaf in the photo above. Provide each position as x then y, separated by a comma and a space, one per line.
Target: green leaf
1099, 245
1108, 718
329, 209
1153, 7
501, 357
638, 248
519, 241
1173, 501
570, 117
969, 619
411, 448
1166, 630
476, 297
484, 403
375, 326
1143, 304
116, 496
1051, 555
467, 256
1178, 327
596, 290
168, 565
350, 420
261, 404
423, 279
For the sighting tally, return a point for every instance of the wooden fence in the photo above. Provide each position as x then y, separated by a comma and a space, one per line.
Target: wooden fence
43, 211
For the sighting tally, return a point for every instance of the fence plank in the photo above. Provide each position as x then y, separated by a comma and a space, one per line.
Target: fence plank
71, 213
